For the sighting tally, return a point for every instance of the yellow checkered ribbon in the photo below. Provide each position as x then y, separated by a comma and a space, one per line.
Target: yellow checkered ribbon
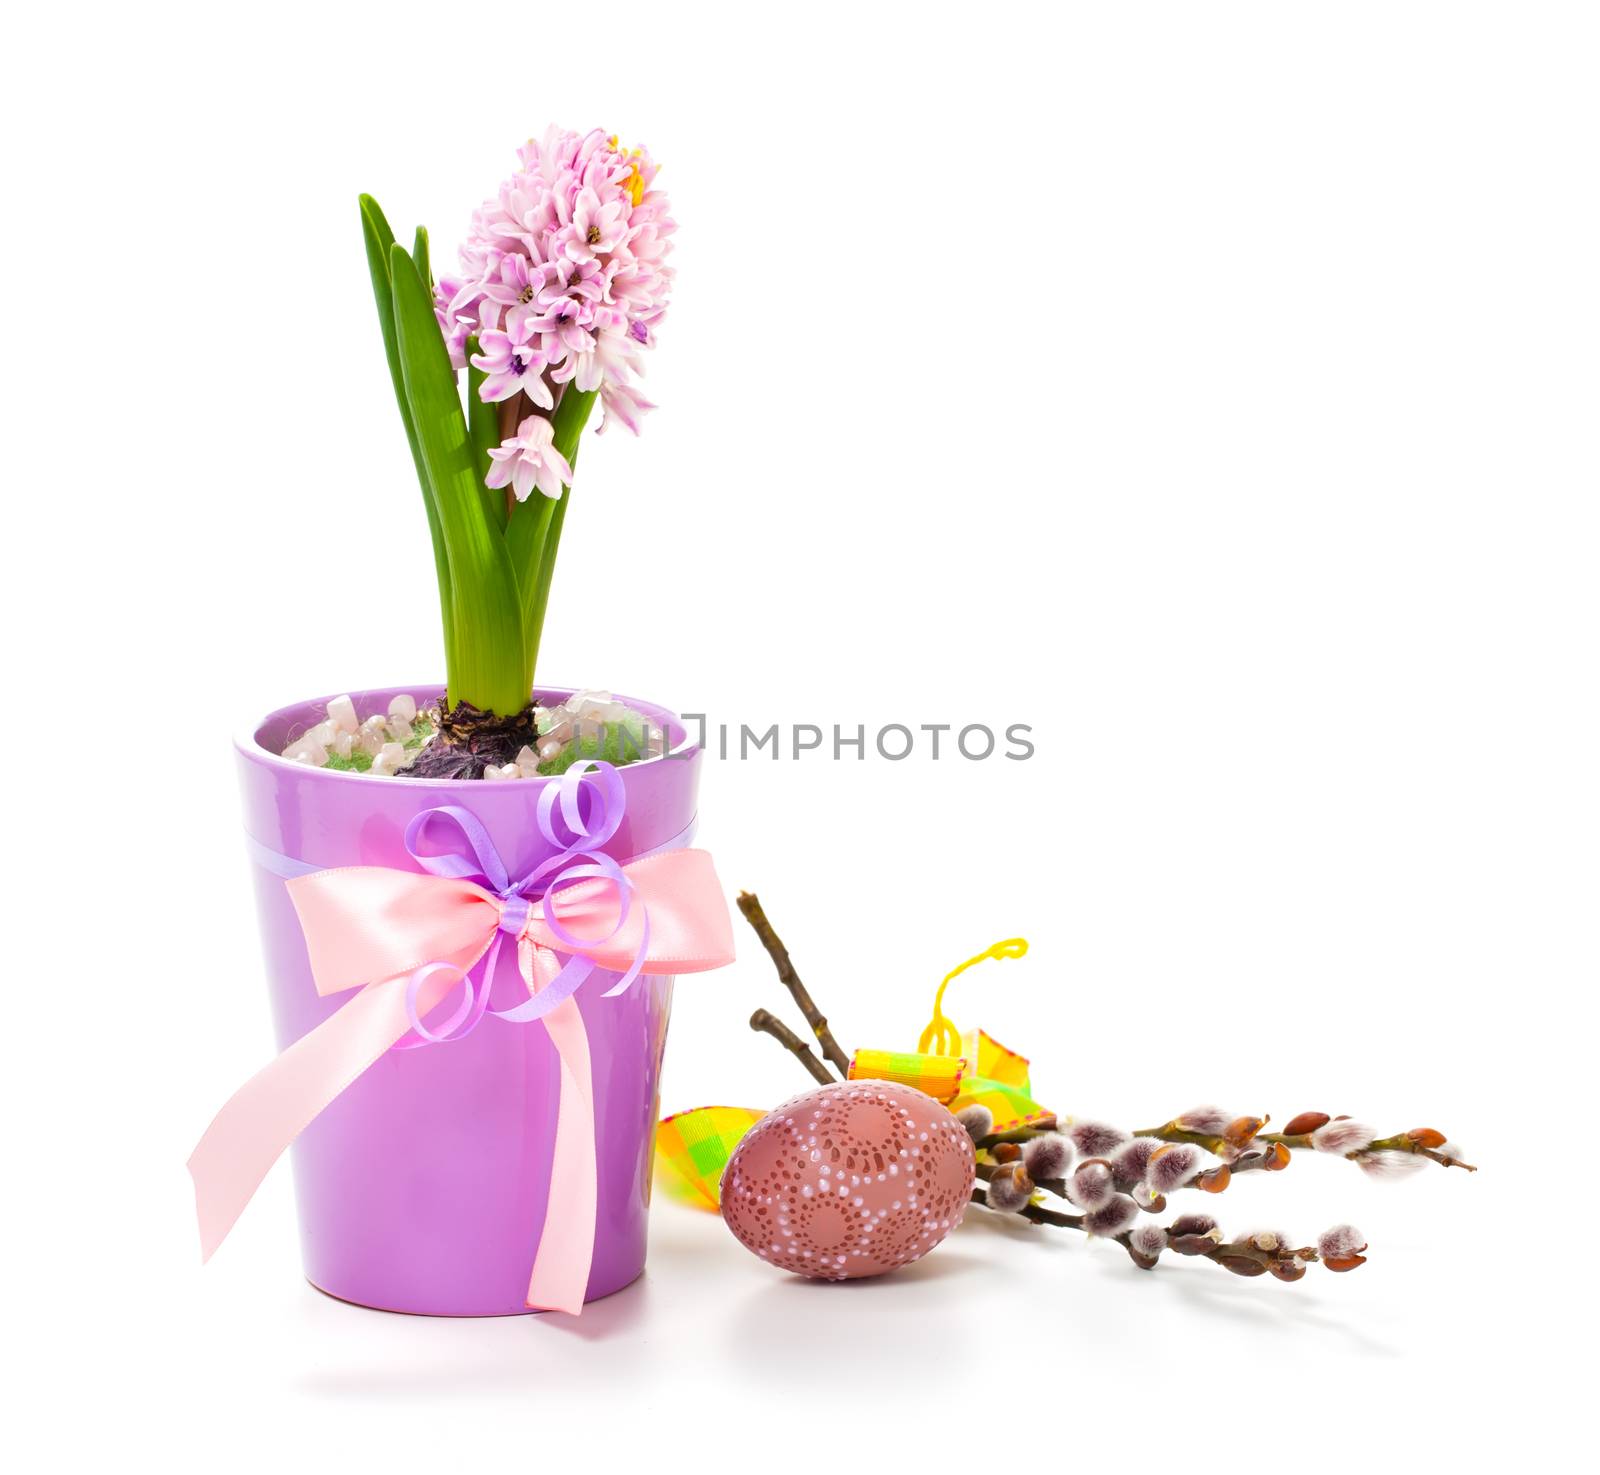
693, 1147
938, 1076
995, 1062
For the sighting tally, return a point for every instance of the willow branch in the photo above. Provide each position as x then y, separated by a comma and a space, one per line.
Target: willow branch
1035, 1213
1298, 1142
767, 1024
1403, 1143
1239, 1257
1019, 1135
751, 908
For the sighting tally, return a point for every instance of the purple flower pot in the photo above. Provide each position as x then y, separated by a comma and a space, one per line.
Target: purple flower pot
423, 1186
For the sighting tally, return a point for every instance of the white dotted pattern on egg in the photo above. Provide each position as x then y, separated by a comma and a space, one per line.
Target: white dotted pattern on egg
849, 1180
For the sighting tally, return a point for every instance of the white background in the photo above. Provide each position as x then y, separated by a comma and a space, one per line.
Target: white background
1211, 387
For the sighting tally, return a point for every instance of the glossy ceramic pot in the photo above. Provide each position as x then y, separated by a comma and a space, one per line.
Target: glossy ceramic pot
423, 1186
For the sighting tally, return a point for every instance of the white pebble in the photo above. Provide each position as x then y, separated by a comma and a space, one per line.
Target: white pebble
342, 713
498, 772
390, 758
527, 764
583, 701
307, 750
400, 731
343, 742
404, 707
549, 749
322, 734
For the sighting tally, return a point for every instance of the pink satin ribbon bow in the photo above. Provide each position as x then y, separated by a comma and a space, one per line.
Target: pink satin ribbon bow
406, 938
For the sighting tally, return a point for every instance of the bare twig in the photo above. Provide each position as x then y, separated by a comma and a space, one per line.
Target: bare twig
767, 1024
751, 908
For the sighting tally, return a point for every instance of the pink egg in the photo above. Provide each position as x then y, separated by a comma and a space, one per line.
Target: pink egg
849, 1180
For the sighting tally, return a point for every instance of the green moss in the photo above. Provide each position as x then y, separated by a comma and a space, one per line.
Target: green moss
620, 743
359, 762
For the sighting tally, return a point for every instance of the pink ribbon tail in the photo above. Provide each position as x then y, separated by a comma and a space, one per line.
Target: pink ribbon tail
281, 1099
566, 1243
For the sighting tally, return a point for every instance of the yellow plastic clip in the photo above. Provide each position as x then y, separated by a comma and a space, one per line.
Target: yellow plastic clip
941, 1037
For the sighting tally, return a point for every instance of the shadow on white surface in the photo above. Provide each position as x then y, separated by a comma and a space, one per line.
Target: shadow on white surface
1204, 1293
387, 1354
943, 1264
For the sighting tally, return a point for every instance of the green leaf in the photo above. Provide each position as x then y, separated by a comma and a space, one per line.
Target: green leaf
379, 241
488, 609
419, 254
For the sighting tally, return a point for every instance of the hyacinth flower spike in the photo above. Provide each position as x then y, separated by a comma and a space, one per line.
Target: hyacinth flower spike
560, 289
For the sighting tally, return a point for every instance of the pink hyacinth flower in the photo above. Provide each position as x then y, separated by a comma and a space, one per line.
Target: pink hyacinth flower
625, 403
564, 276
583, 281
596, 228
528, 460
511, 360
514, 289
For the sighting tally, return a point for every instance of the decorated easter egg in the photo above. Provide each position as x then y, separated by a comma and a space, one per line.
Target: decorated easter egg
849, 1180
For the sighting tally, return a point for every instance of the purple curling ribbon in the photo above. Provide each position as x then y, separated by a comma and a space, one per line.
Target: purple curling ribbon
561, 821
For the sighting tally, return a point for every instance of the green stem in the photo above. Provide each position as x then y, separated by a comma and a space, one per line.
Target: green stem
533, 629
525, 537
567, 424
